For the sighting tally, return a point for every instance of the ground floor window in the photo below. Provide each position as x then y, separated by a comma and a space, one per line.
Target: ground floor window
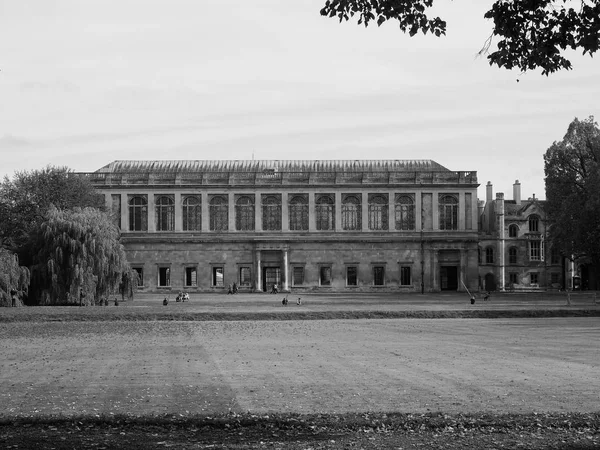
191, 275
352, 276
217, 276
245, 276
405, 276
534, 277
298, 276
164, 276
378, 275
140, 275
513, 278
325, 276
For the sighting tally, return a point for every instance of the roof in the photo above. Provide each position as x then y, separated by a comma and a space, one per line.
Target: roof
366, 165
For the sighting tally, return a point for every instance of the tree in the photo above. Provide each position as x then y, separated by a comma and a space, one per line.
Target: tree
12, 277
572, 168
79, 258
532, 33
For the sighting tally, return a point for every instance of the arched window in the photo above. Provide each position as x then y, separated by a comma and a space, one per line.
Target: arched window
351, 213
489, 255
405, 212
534, 224
325, 212
244, 213
378, 212
271, 212
448, 207
165, 213
219, 213
512, 255
138, 213
298, 213
513, 231
192, 213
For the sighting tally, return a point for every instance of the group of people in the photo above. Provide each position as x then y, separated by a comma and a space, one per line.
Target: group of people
232, 289
181, 297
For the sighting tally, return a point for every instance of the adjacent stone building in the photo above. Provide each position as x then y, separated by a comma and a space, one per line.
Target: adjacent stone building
401, 225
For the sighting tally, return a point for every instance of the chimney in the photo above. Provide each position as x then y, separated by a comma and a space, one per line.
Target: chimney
517, 192
488, 192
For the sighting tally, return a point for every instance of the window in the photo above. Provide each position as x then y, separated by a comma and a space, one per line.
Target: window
298, 213
138, 213
217, 276
378, 275
192, 213
271, 212
165, 213
405, 278
244, 213
513, 231
489, 255
219, 213
535, 250
140, 275
448, 208
534, 224
191, 277
298, 276
351, 213
533, 276
405, 212
325, 276
325, 212
164, 277
513, 278
245, 276
351, 276
512, 255
116, 209
378, 212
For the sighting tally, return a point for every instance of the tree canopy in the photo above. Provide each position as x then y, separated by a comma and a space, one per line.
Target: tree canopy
572, 168
12, 277
531, 33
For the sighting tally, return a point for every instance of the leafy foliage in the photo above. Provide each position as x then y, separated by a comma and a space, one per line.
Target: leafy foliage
79, 258
532, 33
572, 168
12, 277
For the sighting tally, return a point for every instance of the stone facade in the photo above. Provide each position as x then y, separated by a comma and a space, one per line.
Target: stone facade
199, 226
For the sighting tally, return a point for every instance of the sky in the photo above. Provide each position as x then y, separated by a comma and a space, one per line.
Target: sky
84, 83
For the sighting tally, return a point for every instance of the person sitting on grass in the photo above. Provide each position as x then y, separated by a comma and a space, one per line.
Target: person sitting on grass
166, 301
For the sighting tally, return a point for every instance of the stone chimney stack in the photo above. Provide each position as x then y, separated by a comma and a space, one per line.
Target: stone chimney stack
517, 192
488, 193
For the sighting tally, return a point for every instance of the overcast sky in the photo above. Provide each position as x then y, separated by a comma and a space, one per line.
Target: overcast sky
83, 83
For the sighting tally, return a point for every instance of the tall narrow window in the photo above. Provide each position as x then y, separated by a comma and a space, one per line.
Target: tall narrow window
164, 277
245, 276
351, 213
217, 276
219, 213
512, 255
448, 208
351, 276
298, 213
325, 276
140, 275
165, 213
192, 213
244, 213
325, 212
513, 278
489, 255
378, 275
405, 212
534, 224
378, 212
116, 209
405, 276
191, 277
535, 250
138, 213
513, 230
271, 212
534, 277
298, 276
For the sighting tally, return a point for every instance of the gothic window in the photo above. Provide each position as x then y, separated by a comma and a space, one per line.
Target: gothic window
138, 213
165, 213
448, 207
271, 212
489, 255
244, 213
298, 213
192, 213
325, 212
512, 255
405, 212
351, 213
534, 224
219, 213
513, 231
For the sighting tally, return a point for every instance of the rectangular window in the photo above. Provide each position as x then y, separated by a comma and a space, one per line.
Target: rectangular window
192, 213
116, 209
191, 279
378, 212
245, 276
351, 212
271, 212
140, 275
325, 212
535, 250
217, 276
513, 278
325, 276
298, 212
298, 276
405, 276
351, 276
533, 276
448, 212
378, 275
164, 277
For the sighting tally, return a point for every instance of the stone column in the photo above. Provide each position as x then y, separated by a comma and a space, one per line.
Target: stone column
435, 210
435, 270
151, 213
391, 211
178, 212
365, 211
464, 274
124, 212
285, 272
285, 219
418, 211
338, 211
461, 211
258, 277
258, 212
231, 213
205, 212
312, 222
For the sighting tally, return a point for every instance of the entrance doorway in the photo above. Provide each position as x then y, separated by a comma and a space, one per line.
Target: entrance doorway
490, 282
449, 278
271, 276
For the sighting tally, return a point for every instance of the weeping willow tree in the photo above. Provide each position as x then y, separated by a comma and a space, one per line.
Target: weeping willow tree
12, 278
79, 258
